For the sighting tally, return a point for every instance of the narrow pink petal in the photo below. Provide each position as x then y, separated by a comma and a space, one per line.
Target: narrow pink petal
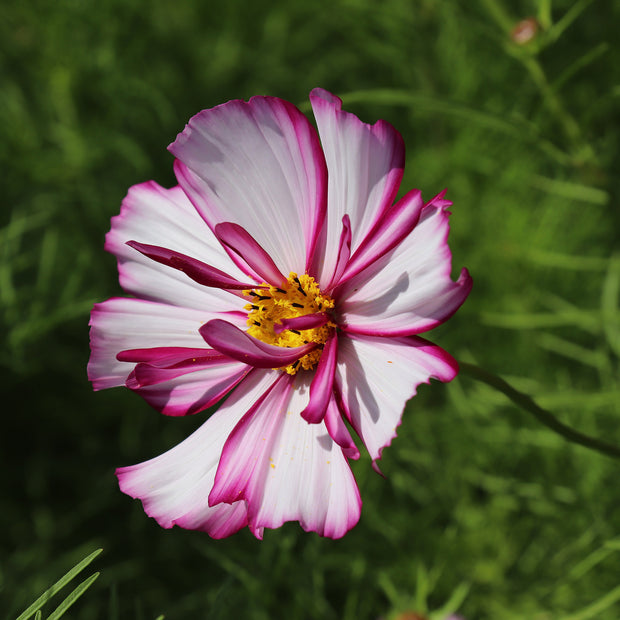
186, 391
410, 289
287, 469
168, 357
119, 324
239, 345
237, 239
322, 383
258, 164
377, 376
196, 270
307, 321
344, 253
174, 487
440, 200
338, 430
165, 217
397, 223
365, 164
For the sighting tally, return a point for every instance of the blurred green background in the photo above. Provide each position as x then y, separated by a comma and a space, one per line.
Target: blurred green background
482, 508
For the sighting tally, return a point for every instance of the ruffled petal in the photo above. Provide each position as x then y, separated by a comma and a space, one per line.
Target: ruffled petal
365, 164
376, 376
287, 469
119, 324
156, 216
258, 164
174, 487
409, 290
186, 389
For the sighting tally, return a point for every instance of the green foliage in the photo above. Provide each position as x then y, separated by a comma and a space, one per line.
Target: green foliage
483, 511
35, 608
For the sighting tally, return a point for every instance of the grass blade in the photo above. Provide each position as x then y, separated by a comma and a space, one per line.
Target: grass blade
61, 583
74, 596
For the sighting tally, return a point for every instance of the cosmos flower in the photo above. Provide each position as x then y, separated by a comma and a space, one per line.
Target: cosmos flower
282, 274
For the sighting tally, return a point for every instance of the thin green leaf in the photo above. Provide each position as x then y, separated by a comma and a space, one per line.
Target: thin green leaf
571, 191
544, 14
453, 604
73, 597
595, 609
566, 261
581, 63
609, 304
595, 358
61, 583
542, 415
556, 31
587, 320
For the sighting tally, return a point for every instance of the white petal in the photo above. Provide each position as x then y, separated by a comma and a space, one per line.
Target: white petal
165, 217
365, 165
287, 469
409, 290
377, 376
119, 324
174, 487
257, 164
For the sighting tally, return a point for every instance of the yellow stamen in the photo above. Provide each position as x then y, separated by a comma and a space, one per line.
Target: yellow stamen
300, 295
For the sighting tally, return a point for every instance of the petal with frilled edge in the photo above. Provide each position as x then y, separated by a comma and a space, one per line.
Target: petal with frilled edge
162, 217
258, 164
287, 469
377, 376
120, 323
174, 487
409, 290
365, 164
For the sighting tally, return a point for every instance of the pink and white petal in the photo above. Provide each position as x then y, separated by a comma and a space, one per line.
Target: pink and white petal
376, 376
200, 272
170, 357
322, 386
233, 342
177, 392
389, 232
237, 239
338, 430
258, 164
306, 321
162, 217
287, 469
174, 487
365, 164
343, 255
409, 290
120, 323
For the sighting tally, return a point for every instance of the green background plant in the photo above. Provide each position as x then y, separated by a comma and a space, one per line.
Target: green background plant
482, 508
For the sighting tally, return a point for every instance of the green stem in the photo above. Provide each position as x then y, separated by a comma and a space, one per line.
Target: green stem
542, 415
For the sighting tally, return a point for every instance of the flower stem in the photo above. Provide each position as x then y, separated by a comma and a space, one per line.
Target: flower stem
542, 415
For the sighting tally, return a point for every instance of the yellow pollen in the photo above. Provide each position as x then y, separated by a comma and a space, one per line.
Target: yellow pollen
300, 295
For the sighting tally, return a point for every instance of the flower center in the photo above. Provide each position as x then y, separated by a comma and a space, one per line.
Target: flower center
300, 296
